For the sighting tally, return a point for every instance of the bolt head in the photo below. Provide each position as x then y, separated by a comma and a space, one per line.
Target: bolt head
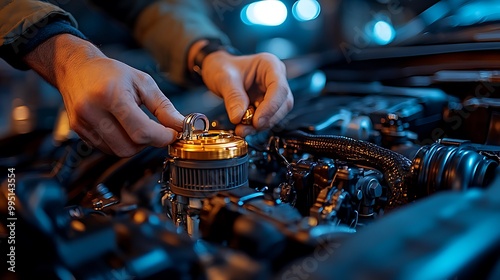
359, 194
374, 188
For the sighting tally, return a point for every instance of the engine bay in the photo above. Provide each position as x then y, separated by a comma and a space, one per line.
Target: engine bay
386, 168
353, 182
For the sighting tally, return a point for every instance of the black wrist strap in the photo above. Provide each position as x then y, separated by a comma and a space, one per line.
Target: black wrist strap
212, 46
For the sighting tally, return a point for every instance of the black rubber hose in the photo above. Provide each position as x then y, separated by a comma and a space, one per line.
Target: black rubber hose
440, 167
394, 166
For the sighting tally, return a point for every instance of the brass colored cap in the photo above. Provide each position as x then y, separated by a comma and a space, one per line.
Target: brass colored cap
210, 145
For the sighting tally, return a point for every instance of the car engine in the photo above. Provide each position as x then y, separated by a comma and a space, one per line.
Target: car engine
312, 192
386, 168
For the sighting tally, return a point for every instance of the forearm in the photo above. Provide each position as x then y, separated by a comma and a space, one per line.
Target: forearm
55, 58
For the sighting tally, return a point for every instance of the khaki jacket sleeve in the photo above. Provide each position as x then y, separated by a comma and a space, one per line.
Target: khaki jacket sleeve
168, 28
21, 19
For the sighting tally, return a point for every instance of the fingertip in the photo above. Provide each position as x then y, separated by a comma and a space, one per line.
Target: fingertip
244, 130
170, 136
176, 135
159, 135
236, 113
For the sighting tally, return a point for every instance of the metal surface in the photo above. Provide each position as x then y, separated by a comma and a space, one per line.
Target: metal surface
206, 144
201, 164
205, 177
212, 145
189, 131
248, 117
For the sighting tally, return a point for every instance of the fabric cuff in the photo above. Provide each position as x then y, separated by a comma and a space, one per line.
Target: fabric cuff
14, 52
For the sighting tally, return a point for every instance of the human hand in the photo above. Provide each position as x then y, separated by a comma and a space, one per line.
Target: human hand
102, 97
258, 79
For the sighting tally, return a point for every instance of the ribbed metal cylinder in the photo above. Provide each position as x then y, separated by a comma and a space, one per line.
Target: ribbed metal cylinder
199, 179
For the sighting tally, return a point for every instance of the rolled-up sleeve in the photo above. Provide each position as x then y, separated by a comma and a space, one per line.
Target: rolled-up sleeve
26, 23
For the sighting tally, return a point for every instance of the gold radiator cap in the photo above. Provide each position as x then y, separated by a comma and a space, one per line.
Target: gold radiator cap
206, 144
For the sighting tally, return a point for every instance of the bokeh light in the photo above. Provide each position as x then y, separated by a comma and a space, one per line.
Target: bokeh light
305, 10
267, 13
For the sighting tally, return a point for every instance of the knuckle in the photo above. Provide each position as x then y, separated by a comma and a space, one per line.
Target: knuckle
141, 137
272, 61
274, 107
146, 78
164, 105
283, 89
232, 94
267, 56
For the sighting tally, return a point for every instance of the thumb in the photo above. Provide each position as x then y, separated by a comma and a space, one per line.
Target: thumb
222, 74
235, 99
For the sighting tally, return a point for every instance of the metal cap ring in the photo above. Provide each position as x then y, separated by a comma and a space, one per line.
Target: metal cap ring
189, 125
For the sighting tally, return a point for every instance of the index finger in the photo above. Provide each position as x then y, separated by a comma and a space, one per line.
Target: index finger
278, 99
140, 128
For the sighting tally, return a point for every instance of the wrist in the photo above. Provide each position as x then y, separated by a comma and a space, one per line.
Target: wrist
60, 56
201, 49
194, 51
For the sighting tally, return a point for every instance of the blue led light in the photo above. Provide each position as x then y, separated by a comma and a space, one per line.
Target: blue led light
268, 13
383, 32
305, 10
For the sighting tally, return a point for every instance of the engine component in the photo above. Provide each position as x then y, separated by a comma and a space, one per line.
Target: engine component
429, 231
200, 164
265, 228
394, 131
135, 244
248, 117
308, 178
351, 195
446, 165
100, 197
450, 165
394, 166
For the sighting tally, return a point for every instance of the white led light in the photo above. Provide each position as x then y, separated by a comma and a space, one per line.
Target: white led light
383, 32
305, 10
268, 13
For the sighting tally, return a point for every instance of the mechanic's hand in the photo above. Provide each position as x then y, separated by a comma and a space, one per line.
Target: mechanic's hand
102, 97
258, 79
